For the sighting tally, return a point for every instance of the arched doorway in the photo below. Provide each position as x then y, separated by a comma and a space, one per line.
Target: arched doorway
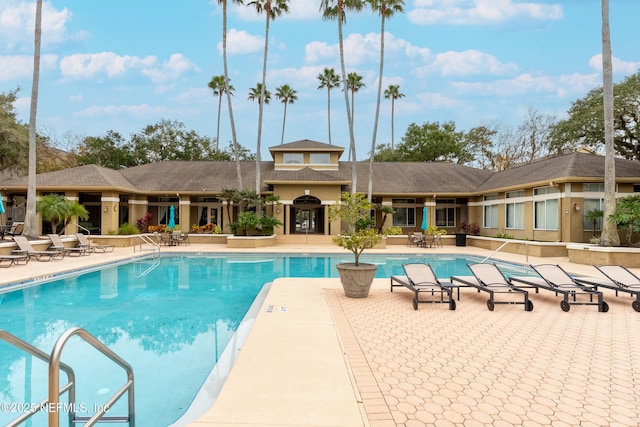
307, 216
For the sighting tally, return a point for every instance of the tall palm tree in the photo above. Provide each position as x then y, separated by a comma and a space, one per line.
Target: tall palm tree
329, 79
335, 9
259, 93
609, 235
218, 87
393, 93
286, 95
236, 149
271, 9
386, 9
30, 228
354, 84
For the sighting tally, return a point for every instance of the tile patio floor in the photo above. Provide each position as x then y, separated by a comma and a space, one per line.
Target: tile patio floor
336, 361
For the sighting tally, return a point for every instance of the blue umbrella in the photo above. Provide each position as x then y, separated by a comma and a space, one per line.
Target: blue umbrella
424, 218
172, 217
1, 206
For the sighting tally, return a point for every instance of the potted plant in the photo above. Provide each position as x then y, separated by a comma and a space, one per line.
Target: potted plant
354, 210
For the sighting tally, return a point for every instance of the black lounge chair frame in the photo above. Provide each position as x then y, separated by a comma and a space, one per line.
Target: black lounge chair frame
569, 291
9, 260
494, 289
440, 287
616, 285
57, 245
24, 248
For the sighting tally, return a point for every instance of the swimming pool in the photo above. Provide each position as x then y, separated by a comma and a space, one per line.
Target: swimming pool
170, 317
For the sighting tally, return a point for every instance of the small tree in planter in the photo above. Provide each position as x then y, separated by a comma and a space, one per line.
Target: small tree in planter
354, 210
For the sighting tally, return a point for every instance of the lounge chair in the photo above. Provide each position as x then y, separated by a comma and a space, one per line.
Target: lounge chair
420, 278
553, 278
488, 278
16, 230
620, 280
84, 242
57, 245
9, 260
25, 248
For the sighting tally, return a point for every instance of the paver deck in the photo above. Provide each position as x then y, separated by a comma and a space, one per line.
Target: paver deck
328, 360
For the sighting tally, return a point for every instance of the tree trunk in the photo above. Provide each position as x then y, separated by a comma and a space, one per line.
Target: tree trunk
30, 228
261, 103
609, 235
352, 140
375, 120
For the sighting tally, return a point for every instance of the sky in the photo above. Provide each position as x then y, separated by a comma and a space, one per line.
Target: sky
122, 65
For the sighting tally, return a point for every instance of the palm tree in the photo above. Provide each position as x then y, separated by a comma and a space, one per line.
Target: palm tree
56, 209
393, 93
335, 9
259, 93
271, 10
354, 84
329, 79
386, 9
218, 86
30, 217
227, 89
609, 235
286, 95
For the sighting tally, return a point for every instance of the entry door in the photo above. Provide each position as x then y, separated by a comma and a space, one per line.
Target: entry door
306, 221
208, 215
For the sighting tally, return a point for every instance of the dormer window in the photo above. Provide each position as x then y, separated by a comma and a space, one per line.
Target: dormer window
293, 158
319, 158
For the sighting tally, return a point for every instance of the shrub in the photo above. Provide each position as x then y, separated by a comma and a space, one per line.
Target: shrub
127, 229
143, 223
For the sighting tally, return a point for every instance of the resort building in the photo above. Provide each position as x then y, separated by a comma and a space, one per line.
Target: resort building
541, 201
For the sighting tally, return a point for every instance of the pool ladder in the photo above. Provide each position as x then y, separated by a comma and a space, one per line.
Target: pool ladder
148, 240
52, 404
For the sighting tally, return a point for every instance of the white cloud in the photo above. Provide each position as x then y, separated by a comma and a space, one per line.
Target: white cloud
562, 86
240, 42
481, 12
142, 110
17, 24
436, 101
15, 67
170, 70
619, 66
91, 64
466, 63
298, 10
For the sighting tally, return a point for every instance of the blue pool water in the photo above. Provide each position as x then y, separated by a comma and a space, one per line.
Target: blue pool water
170, 318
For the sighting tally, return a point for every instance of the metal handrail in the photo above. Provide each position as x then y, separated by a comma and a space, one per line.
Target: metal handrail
54, 378
526, 251
71, 378
83, 228
148, 240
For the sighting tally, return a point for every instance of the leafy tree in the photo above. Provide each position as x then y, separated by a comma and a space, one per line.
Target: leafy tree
286, 95
585, 125
218, 86
14, 136
328, 79
478, 142
626, 215
393, 93
56, 209
432, 142
169, 140
110, 151
230, 196
533, 134
227, 90
593, 216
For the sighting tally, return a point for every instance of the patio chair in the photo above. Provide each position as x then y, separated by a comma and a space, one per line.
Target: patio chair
25, 248
620, 280
553, 278
16, 229
57, 245
421, 279
84, 242
9, 260
418, 238
488, 278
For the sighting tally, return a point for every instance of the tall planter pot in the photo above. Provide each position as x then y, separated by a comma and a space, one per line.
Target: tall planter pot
356, 279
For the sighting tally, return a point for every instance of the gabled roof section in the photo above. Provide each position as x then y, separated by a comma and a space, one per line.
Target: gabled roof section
306, 145
569, 167
87, 177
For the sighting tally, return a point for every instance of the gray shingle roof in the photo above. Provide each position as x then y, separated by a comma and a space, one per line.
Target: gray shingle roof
87, 176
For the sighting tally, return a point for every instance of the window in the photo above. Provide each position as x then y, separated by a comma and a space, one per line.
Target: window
546, 215
593, 187
490, 219
591, 205
293, 158
320, 158
514, 211
405, 215
636, 188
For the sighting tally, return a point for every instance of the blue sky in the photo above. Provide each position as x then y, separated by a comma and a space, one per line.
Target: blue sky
122, 65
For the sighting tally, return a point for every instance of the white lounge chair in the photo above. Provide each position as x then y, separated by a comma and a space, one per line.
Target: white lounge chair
421, 279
